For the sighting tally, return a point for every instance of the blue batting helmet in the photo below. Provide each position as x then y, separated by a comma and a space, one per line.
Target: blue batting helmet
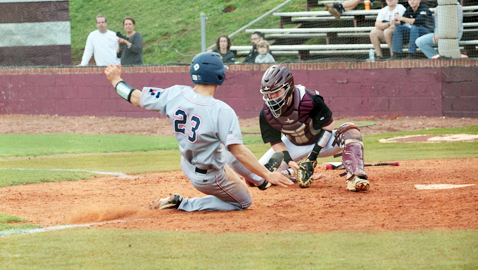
207, 68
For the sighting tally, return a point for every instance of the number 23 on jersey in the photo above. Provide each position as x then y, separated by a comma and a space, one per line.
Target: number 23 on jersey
182, 121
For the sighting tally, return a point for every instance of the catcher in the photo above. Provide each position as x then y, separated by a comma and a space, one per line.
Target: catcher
299, 126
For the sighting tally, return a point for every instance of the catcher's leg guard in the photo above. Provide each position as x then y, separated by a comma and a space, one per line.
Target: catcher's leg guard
350, 137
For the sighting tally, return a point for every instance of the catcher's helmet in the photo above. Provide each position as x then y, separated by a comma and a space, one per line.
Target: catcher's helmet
207, 68
274, 79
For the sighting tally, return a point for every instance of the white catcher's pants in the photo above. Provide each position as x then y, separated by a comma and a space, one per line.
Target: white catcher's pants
298, 152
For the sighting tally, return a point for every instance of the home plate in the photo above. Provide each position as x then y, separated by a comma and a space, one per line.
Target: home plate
441, 186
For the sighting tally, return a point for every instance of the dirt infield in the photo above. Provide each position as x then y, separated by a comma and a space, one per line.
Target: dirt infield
393, 202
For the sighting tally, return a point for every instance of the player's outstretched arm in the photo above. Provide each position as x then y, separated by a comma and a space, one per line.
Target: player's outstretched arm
113, 73
245, 156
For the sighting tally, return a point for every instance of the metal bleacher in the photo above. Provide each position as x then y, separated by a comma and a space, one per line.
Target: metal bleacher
317, 33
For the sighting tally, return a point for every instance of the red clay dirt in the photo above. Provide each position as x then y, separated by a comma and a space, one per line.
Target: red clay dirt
392, 203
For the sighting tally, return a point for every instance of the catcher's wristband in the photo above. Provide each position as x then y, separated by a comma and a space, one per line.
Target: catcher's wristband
324, 137
124, 90
287, 157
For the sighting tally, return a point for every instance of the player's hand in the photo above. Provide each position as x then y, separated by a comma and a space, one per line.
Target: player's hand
294, 166
278, 179
113, 73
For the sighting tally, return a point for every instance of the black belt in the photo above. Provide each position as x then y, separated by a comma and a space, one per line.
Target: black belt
201, 171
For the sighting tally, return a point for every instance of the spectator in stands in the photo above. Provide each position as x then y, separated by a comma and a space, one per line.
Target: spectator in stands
384, 26
101, 43
337, 9
130, 46
255, 38
415, 22
264, 56
428, 43
223, 48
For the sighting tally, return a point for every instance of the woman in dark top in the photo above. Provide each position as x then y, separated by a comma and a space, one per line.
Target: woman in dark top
131, 47
223, 46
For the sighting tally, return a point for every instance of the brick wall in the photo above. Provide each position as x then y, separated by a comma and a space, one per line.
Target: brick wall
399, 88
460, 92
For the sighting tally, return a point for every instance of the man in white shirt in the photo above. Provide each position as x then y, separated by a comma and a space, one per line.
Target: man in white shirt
101, 43
384, 26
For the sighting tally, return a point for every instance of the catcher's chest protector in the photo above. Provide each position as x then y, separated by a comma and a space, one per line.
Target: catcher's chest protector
296, 124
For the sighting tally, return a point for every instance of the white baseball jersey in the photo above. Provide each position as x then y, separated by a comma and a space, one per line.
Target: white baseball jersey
202, 125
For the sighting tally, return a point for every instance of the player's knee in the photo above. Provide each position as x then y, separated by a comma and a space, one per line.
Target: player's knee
247, 203
348, 132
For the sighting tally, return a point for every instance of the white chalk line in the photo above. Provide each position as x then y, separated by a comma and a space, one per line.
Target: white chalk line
441, 186
12, 232
118, 174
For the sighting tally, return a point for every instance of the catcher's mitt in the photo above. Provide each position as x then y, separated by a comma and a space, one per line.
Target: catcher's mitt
275, 161
305, 172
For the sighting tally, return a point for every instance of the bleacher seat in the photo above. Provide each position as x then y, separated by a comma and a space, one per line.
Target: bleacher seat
347, 36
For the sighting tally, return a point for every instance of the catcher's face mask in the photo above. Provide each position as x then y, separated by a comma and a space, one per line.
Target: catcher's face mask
276, 99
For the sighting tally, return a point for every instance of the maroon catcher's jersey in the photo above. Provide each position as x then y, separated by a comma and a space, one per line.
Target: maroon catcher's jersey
301, 123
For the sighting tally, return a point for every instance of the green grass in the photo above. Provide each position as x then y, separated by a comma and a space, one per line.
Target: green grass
18, 176
18, 145
96, 248
110, 153
257, 129
407, 151
14, 145
8, 222
8, 219
41, 169
172, 29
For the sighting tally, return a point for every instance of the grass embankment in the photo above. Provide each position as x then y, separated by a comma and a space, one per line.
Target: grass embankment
171, 29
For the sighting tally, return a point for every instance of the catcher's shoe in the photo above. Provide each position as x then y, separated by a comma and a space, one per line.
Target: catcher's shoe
169, 203
358, 184
333, 9
264, 185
